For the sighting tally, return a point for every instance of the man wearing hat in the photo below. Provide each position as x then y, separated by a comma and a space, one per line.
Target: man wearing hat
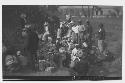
88, 34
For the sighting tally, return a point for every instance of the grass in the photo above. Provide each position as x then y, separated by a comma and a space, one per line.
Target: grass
113, 27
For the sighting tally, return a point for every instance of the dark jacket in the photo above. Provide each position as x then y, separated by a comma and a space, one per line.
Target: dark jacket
101, 34
89, 29
32, 41
22, 22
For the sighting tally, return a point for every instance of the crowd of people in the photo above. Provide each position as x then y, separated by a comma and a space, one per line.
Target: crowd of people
70, 44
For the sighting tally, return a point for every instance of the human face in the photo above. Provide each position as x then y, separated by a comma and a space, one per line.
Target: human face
68, 17
23, 15
24, 33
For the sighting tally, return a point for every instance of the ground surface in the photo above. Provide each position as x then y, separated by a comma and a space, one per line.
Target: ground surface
113, 27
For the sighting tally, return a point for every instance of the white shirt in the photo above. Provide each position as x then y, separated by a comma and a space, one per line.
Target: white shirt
81, 28
74, 52
100, 30
46, 28
75, 29
58, 33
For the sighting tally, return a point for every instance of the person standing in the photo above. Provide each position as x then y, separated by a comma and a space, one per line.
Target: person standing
66, 25
23, 20
68, 19
60, 31
81, 29
31, 46
47, 32
71, 24
88, 34
74, 32
89, 30
101, 37
54, 25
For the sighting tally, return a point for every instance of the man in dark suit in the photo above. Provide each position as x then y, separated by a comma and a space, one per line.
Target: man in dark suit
88, 34
101, 38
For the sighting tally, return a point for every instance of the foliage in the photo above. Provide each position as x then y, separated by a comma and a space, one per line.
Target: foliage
11, 27
118, 9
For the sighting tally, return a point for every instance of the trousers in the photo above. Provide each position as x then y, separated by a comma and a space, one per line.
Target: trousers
101, 45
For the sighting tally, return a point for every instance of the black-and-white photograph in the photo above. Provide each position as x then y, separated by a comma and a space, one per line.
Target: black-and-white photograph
62, 42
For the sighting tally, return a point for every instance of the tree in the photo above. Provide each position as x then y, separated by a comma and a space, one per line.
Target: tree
53, 8
118, 9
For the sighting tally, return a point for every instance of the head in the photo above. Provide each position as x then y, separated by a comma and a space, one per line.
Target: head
50, 39
72, 41
61, 24
18, 53
23, 15
26, 30
62, 49
101, 25
72, 23
77, 46
69, 39
58, 40
68, 17
80, 22
46, 24
87, 22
